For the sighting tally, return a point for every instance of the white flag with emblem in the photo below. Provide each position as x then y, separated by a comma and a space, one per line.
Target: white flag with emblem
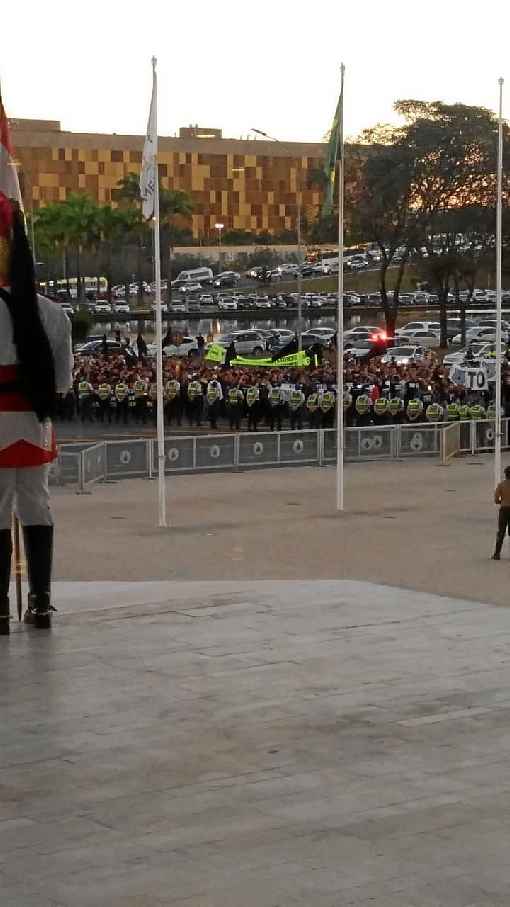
148, 173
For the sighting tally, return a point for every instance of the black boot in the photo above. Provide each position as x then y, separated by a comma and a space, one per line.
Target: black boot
5, 576
39, 552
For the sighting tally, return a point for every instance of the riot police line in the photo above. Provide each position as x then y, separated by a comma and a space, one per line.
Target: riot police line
274, 406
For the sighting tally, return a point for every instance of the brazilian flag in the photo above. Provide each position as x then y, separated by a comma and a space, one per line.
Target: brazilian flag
334, 150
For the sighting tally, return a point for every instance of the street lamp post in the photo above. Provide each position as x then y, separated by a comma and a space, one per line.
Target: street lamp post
219, 228
298, 231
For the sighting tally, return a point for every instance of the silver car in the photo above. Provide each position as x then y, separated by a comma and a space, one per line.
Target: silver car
404, 355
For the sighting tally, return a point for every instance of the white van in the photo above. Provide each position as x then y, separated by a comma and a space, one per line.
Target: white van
197, 275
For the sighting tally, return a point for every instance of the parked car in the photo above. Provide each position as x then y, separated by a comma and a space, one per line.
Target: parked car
227, 304
164, 307
227, 279
477, 333
476, 351
177, 307
121, 307
311, 337
279, 338
102, 308
427, 339
96, 347
418, 326
247, 343
187, 347
361, 349
361, 332
403, 355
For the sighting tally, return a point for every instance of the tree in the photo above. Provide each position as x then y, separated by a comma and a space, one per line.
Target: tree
50, 235
81, 227
128, 193
115, 224
172, 203
440, 162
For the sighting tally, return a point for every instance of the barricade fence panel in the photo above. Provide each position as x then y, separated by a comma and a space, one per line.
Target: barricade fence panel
299, 446
450, 442
375, 442
93, 461
132, 458
261, 449
127, 459
419, 440
215, 451
179, 455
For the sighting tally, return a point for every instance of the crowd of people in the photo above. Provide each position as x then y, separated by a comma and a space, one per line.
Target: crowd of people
112, 389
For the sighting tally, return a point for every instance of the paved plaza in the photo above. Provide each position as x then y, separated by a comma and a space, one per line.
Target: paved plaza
265, 705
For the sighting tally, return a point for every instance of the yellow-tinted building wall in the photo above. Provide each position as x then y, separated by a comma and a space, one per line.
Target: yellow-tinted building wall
250, 185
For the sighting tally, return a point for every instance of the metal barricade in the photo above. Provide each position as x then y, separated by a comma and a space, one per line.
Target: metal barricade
93, 464
69, 468
132, 458
179, 455
127, 459
299, 446
419, 440
215, 451
375, 442
450, 442
466, 440
485, 435
258, 449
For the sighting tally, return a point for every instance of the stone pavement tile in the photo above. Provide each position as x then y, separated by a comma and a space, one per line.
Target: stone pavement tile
203, 757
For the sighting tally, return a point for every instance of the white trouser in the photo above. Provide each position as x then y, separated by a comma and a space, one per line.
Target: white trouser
25, 491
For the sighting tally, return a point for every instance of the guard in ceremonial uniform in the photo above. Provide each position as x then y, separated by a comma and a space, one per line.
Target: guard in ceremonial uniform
35, 364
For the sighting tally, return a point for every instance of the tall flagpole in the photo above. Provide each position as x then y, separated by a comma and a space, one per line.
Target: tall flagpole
497, 442
159, 320
340, 317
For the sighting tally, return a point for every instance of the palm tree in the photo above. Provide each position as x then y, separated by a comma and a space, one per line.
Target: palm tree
172, 203
114, 225
51, 234
81, 224
128, 192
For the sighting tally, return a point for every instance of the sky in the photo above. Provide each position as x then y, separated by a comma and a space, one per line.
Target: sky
272, 65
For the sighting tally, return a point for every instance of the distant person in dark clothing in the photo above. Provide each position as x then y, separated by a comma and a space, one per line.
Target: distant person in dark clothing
141, 347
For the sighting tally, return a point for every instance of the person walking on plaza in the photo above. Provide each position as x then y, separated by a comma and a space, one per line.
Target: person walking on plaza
35, 365
502, 497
